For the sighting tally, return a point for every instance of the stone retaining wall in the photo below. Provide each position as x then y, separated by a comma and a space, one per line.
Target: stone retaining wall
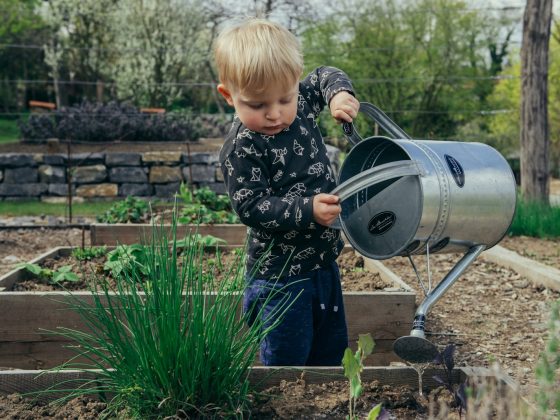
109, 175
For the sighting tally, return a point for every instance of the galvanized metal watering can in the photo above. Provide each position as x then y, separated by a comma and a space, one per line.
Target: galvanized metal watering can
402, 196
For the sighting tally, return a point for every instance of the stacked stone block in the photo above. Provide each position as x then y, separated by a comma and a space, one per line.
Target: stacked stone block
105, 175
109, 175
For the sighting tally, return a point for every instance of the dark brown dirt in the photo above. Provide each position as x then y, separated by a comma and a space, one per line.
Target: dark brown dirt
353, 275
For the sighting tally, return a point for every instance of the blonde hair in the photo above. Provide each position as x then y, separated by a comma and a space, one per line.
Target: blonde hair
255, 53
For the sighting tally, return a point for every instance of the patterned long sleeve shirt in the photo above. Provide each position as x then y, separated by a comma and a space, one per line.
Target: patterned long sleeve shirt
271, 181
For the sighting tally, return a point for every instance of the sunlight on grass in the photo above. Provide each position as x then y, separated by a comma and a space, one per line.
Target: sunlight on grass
535, 219
37, 208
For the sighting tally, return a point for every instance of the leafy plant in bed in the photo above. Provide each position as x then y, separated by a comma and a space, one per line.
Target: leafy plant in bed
194, 207
165, 347
75, 272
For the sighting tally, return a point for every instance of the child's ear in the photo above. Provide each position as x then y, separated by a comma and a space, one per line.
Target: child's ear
225, 93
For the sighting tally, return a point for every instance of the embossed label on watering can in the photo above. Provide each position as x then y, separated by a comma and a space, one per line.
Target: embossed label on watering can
381, 222
456, 170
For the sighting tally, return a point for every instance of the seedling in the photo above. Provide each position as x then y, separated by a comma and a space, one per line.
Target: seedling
204, 206
83, 254
129, 210
127, 258
445, 358
353, 364
64, 273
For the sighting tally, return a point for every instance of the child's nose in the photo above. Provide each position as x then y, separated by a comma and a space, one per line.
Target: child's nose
273, 113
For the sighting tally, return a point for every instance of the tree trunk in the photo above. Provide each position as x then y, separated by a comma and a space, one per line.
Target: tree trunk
534, 100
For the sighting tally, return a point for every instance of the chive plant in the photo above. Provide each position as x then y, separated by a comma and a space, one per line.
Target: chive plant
163, 344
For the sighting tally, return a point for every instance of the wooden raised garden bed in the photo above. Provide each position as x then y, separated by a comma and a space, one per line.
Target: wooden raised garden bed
126, 233
24, 343
318, 392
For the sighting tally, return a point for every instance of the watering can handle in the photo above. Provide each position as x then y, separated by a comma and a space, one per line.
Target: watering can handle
376, 175
373, 176
380, 118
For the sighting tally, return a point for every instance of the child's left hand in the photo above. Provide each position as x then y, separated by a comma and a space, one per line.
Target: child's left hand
344, 107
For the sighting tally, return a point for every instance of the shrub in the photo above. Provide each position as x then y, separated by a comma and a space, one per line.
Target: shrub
99, 122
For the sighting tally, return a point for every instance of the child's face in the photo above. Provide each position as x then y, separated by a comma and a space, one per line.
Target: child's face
268, 112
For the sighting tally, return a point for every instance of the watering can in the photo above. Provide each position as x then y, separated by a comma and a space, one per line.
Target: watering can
402, 196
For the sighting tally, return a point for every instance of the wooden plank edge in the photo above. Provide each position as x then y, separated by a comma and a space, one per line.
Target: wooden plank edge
19, 274
538, 273
261, 377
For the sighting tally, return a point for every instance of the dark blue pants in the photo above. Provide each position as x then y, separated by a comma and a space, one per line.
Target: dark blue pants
312, 331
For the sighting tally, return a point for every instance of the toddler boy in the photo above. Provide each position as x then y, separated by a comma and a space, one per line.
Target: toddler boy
278, 176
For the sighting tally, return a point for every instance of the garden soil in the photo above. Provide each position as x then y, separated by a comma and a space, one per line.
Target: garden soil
492, 314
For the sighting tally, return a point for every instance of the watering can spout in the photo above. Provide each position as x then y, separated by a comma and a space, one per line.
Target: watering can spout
415, 348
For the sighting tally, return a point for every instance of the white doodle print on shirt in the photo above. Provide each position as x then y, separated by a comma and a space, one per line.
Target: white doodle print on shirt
291, 234
264, 206
305, 254
229, 167
313, 79
294, 270
329, 176
287, 248
316, 111
312, 118
278, 175
295, 191
245, 134
255, 174
301, 101
328, 234
298, 148
316, 169
279, 155
304, 131
286, 214
270, 225
314, 148
266, 137
242, 194
240, 154
252, 151
266, 263
240, 179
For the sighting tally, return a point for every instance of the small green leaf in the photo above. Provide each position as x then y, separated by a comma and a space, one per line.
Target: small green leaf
355, 387
366, 343
351, 366
33, 268
374, 413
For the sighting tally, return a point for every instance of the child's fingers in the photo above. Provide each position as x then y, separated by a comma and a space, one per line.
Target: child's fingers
328, 198
341, 116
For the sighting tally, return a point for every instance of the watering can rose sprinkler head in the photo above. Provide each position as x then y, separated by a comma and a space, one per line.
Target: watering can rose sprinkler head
415, 348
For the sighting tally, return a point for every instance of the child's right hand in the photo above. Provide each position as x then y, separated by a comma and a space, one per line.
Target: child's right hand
326, 208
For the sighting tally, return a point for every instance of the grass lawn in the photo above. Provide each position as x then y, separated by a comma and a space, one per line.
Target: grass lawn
9, 131
37, 208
